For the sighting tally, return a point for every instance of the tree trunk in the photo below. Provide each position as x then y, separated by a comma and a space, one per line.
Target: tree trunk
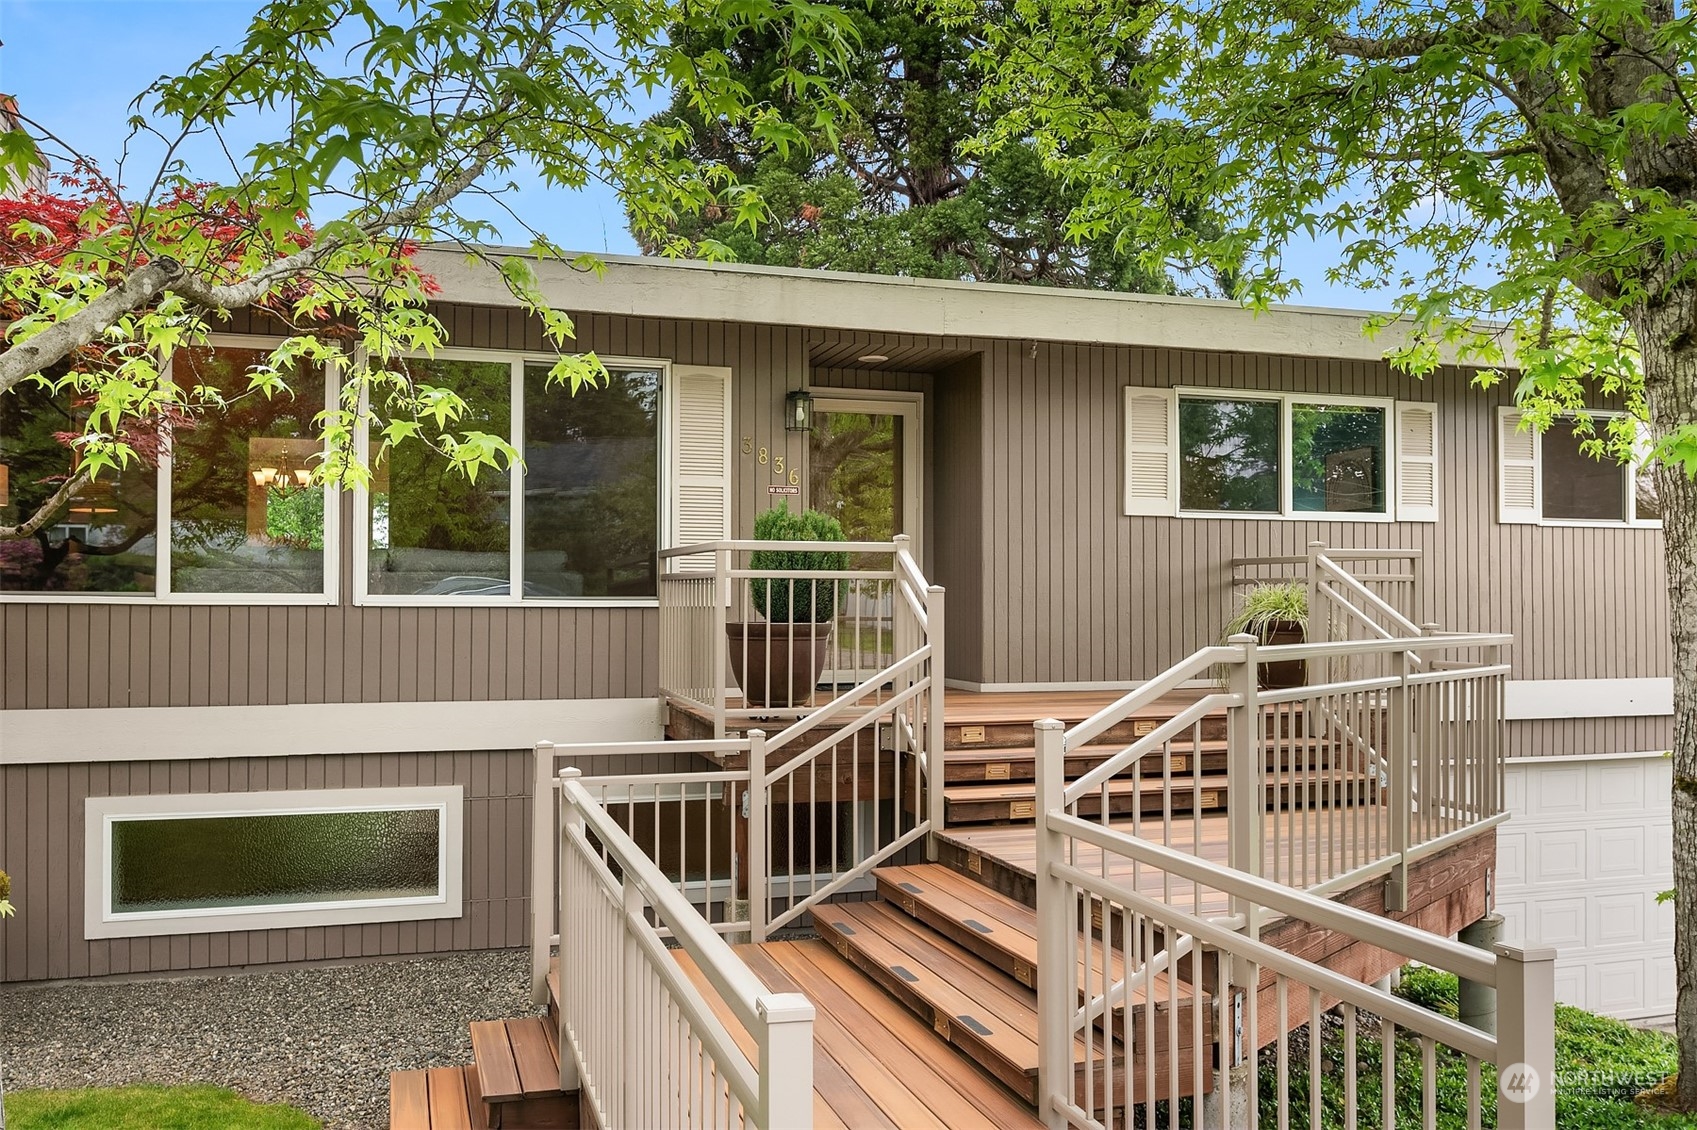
1669, 346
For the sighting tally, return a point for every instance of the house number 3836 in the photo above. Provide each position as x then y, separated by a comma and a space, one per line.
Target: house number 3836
764, 457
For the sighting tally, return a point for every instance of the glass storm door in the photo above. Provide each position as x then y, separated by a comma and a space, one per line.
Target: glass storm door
864, 470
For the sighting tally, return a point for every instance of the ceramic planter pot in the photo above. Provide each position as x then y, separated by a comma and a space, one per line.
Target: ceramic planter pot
778, 664
1286, 673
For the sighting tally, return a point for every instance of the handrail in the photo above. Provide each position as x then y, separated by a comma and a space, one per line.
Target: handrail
1429, 949
1164, 683
734, 980
847, 698
854, 727
783, 546
1274, 653
1404, 1013
1361, 554
1154, 739
1363, 592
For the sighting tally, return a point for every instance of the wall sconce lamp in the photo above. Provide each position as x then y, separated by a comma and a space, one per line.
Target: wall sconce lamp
798, 411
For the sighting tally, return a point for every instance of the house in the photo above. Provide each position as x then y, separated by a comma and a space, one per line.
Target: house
1090, 478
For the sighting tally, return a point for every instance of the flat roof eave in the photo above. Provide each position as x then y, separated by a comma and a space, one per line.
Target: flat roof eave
647, 287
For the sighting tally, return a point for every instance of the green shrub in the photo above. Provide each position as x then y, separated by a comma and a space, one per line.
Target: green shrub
1266, 606
785, 601
1431, 989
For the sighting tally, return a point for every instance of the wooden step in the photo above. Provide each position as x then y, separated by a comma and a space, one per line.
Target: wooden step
986, 1015
968, 732
440, 1098
986, 766
518, 1072
1017, 801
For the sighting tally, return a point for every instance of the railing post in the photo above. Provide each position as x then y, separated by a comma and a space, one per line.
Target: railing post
786, 1061
717, 644
571, 820
1057, 923
754, 867
1319, 626
936, 753
543, 830
1526, 1040
1398, 759
1246, 771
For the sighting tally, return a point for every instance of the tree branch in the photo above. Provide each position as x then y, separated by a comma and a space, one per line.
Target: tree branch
45, 512
1380, 50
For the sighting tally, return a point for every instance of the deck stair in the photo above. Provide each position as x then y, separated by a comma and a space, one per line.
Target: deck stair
513, 1082
962, 958
990, 766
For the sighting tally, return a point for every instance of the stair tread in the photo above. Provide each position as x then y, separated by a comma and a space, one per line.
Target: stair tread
515, 1059
1011, 927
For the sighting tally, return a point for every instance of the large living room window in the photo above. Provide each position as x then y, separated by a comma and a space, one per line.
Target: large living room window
1551, 478
1204, 453
579, 519
219, 509
190, 863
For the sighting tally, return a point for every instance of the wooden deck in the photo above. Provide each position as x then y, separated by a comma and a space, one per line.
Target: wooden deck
875, 1064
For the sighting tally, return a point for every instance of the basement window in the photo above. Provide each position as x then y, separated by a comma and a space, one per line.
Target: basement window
249, 861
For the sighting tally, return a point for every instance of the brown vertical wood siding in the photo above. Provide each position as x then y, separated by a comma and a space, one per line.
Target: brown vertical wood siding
1053, 583
41, 836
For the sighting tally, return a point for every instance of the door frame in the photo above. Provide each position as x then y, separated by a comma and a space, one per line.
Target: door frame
910, 406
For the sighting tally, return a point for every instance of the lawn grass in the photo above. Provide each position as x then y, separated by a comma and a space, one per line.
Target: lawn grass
145, 1107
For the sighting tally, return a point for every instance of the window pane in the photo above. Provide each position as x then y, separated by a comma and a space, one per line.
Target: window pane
591, 493
434, 532
104, 539
242, 517
1577, 486
1229, 455
202, 862
1337, 458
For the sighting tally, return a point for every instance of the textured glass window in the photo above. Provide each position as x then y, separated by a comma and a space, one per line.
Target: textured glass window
435, 531
1229, 455
1578, 486
244, 515
1337, 458
211, 862
591, 485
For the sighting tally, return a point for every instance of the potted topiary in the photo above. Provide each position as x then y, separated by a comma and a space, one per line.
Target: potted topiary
1275, 614
777, 663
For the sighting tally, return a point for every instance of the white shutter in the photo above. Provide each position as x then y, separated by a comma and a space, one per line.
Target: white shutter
1517, 469
698, 460
1151, 451
1416, 462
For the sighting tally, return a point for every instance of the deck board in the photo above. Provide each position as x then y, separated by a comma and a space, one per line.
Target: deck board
874, 1063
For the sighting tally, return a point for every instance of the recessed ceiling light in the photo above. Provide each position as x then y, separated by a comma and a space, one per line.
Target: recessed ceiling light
872, 358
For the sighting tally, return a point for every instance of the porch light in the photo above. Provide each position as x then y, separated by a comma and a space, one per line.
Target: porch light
798, 411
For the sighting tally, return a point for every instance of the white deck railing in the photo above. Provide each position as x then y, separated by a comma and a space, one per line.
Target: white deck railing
637, 1035
1328, 786
797, 816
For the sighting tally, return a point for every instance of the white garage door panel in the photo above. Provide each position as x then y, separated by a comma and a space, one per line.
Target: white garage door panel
1578, 867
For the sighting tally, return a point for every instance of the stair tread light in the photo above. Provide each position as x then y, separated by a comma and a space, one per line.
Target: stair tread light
798, 410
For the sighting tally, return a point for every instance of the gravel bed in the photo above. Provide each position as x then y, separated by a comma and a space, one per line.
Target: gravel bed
321, 1039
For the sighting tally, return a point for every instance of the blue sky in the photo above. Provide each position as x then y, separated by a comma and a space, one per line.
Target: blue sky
75, 65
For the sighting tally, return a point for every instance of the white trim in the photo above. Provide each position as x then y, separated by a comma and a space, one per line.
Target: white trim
1565, 758
1535, 514
1525, 699
173, 733
1287, 511
651, 287
910, 406
101, 812
517, 359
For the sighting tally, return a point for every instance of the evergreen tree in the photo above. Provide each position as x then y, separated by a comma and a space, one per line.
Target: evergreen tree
899, 191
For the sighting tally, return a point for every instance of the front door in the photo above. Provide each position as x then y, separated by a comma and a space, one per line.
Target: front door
864, 470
